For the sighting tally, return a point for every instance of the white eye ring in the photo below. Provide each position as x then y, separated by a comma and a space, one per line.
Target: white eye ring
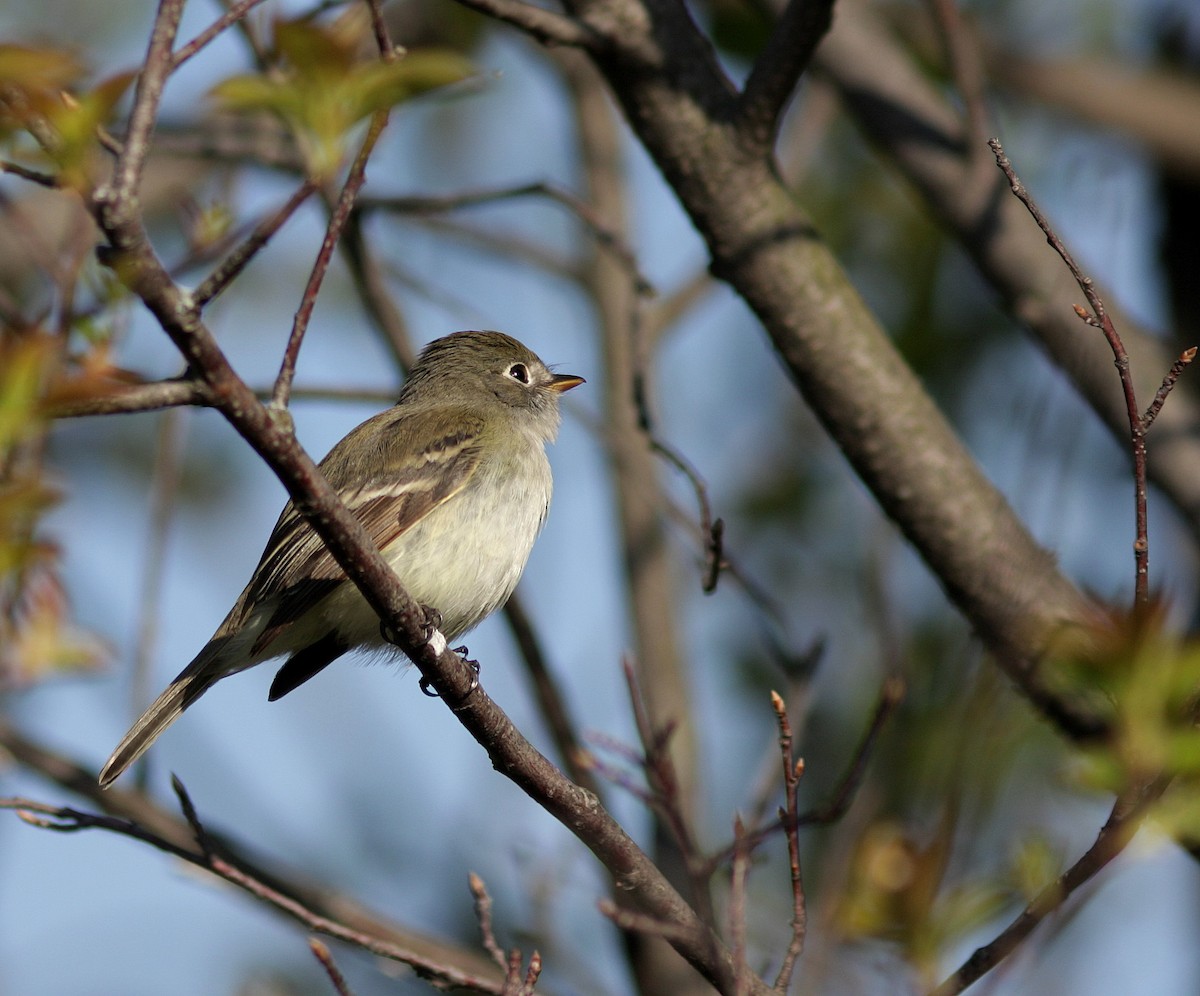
519, 372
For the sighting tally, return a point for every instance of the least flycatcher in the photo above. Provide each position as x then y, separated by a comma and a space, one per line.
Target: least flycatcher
453, 486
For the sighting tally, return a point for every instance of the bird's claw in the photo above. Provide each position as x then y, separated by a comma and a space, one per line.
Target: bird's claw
431, 624
427, 687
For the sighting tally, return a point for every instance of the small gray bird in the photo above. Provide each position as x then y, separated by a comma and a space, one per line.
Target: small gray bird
452, 484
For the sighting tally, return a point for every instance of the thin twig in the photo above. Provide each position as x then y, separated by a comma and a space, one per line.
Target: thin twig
779, 66
1099, 319
383, 37
67, 820
544, 25
793, 770
641, 923
891, 695
966, 68
1124, 820
738, 873
483, 914
232, 15
1160, 396
236, 261
156, 68
843, 794
665, 791
124, 399
32, 175
532, 974
322, 953
337, 221
605, 235
373, 292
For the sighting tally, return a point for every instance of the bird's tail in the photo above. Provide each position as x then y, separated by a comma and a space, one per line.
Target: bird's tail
195, 679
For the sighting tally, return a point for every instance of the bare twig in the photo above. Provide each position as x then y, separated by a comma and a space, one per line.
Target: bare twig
32, 175
483, 914
169, 833
156, 68
544, 25
235, 13
67, 820
325, 957
738, 872
843, 794
1160, 396
337, 221
779, 66
966, 67
793, 770
606, 236
891, 695
236, 261
664, 787
372, 290
1100, 319
130, 398
712, 530
1124, 820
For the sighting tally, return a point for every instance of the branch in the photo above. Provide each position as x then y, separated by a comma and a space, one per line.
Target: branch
910, 121
540, 24
1126, 816
333, 230
778, 69
1138, 423
681, 105
171, 834
64, 819
239, 259
156, 68
234, 14
148, 397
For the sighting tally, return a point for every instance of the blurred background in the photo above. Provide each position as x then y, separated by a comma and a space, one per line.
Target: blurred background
969, 803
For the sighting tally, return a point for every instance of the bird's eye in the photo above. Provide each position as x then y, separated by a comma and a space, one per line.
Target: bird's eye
519, 372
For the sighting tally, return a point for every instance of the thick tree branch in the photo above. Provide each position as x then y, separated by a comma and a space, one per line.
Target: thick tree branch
763, 244
910, 122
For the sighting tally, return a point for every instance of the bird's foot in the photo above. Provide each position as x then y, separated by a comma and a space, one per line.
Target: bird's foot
462, 651
431, 624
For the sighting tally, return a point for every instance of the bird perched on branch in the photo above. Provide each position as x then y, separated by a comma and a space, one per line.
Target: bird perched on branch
453, 486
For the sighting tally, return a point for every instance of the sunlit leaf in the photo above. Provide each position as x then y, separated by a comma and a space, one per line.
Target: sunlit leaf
26, 365
322, 91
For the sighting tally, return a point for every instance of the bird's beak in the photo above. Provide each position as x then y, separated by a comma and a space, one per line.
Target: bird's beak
561, 383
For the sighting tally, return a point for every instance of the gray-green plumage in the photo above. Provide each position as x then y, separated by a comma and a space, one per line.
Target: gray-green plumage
453, 486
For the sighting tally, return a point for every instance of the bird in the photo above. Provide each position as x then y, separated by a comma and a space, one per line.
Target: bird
452, 484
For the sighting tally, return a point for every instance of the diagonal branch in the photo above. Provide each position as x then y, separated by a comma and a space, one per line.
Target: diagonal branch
545, 26
157, 67
911, 123
779, 67
1127, 814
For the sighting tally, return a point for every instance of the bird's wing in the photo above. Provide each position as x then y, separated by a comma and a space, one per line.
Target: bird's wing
416, 464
